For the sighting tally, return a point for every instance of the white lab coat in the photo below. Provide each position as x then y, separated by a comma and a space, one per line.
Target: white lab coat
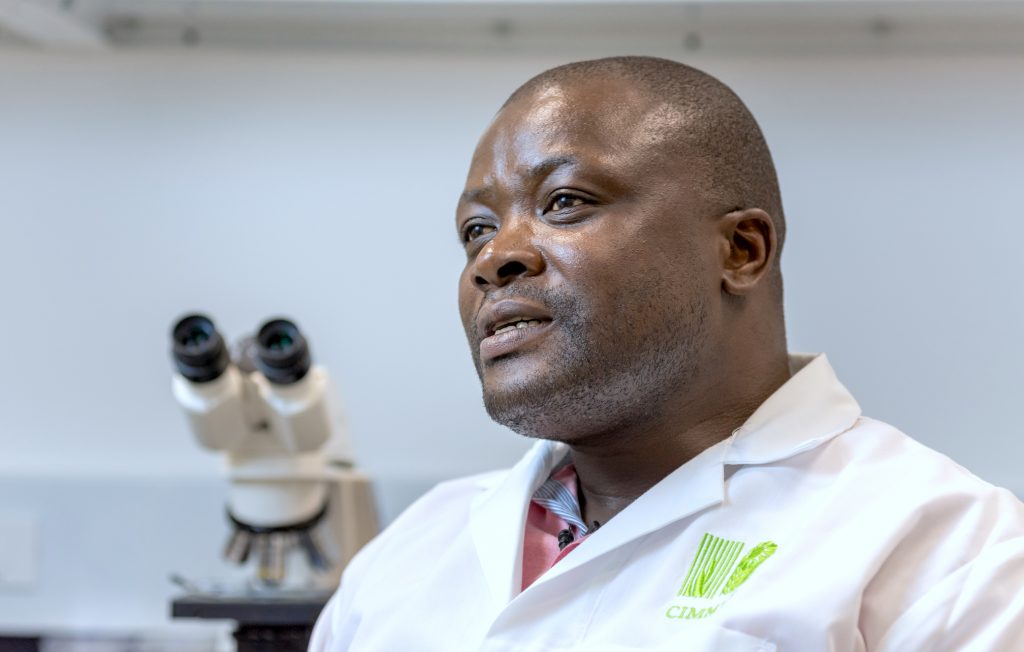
821, 530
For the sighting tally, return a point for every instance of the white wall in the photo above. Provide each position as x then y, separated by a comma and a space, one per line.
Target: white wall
136, 187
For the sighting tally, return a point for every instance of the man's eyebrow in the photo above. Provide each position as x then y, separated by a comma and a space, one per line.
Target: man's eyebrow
538, 170
474, 195
549, 165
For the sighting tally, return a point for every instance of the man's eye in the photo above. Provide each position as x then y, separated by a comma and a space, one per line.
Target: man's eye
563, 200
474, 231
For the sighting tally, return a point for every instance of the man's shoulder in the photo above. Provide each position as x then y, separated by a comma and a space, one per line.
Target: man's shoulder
439, 513
415, 542
888, 449
896, 472
452, 497
936, 535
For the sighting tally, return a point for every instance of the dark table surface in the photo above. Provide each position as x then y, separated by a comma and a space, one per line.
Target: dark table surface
286, 609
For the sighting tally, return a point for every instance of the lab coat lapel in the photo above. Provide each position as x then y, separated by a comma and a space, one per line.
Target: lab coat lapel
691, 488
807, 411
498, 518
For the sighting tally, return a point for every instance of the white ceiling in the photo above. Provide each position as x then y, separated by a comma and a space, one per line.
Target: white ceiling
799, 26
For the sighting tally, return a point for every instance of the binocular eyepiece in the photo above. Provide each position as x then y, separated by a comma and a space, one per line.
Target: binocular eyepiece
200, 354
282, 354
199, 351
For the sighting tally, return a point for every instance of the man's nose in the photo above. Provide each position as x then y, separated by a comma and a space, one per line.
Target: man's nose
510, 254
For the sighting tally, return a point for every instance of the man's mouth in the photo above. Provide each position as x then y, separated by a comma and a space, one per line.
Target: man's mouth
510, 325
515, 324
511, 336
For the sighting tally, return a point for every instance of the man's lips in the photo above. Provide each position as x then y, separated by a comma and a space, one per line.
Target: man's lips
504, 326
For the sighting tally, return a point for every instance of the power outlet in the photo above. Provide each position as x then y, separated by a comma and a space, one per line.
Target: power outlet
18, 545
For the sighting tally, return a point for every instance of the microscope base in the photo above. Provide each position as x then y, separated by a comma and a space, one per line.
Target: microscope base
265, 624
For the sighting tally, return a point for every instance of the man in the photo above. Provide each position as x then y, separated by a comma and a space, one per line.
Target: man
693, 486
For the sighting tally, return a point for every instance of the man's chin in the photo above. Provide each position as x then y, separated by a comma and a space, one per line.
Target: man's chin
520, 408
537, 410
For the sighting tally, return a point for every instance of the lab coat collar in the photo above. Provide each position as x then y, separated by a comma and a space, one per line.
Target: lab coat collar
498, 518
498, 515
691, 488
808, 410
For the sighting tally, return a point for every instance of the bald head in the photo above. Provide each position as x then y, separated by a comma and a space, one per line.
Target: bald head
692, 116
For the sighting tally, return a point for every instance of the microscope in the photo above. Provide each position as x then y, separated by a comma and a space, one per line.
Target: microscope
297, 512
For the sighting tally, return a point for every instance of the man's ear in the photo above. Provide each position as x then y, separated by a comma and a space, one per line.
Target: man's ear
749, 246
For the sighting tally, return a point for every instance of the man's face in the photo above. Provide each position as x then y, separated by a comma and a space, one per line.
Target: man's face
589, 286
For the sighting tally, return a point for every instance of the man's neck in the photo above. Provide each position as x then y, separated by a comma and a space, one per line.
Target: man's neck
617, 468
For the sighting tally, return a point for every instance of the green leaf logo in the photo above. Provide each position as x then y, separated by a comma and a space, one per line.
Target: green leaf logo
757, 556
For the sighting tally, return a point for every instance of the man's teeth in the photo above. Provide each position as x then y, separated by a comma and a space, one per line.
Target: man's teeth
522, 323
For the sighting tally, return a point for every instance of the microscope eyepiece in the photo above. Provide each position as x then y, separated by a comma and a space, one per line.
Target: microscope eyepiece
198, 349
282, 353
